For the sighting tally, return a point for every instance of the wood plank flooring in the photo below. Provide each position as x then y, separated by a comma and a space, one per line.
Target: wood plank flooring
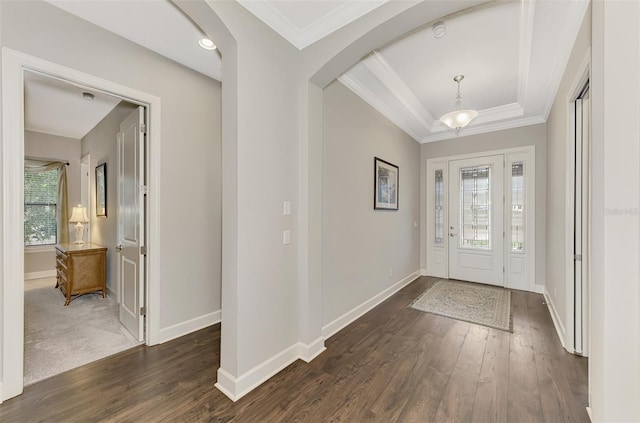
394, 364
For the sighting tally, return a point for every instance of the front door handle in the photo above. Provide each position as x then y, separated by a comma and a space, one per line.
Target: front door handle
452, 234
118, 247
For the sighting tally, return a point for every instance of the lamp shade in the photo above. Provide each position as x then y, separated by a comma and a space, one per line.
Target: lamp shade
79, 215
458, 119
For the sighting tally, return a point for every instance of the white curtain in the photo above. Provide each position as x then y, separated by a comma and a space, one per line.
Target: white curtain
62, 210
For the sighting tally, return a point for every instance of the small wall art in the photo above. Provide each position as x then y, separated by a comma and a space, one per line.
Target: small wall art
386, 178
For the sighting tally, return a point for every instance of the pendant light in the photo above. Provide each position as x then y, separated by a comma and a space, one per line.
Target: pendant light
459, 118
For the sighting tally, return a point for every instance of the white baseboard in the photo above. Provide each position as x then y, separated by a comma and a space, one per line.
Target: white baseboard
538, 289
557, 322
342, 321
423, 272
236, 388
181, 329
308, 352
38, 275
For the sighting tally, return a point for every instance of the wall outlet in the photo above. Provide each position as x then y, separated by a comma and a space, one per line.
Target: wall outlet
390, 272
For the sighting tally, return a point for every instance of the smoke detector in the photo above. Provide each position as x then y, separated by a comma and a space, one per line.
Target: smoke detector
439, 29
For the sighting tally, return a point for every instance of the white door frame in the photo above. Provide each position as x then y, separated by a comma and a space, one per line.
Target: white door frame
14, 63
85, 168
576, 88
441, 267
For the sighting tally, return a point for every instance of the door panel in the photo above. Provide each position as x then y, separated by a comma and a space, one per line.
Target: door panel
476, 212
130, 222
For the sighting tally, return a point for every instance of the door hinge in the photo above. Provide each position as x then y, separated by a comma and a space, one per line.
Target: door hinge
143, 250
502, 269
577, 257
144, 189
143, 311
143, 128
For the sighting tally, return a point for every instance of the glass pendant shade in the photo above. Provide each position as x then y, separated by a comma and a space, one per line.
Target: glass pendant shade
459, 118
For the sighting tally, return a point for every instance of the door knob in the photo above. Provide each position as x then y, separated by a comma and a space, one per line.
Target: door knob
452, 234
118, 247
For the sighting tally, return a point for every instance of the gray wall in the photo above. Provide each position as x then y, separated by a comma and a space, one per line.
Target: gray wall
101, 143
360, 244
509, 138
46, 146
190, 144
557, 168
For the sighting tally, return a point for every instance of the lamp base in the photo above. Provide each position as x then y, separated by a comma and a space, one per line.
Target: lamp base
78, 230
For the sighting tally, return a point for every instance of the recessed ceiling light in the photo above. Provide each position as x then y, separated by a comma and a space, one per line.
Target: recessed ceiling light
88, 96
207, 44
439, 29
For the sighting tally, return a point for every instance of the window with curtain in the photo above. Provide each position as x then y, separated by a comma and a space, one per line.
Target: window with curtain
45, 203
40, 206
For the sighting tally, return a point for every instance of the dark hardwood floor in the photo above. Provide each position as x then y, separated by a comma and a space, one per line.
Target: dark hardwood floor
394, 364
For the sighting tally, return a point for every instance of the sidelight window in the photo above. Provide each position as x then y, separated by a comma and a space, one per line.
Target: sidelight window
517, 207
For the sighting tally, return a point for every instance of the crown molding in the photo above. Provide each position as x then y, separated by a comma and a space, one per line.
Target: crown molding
320, 28
381, 69
492, 127
527, 15
374, 101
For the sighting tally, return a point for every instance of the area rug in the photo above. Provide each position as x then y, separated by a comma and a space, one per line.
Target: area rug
475, 303
59, 338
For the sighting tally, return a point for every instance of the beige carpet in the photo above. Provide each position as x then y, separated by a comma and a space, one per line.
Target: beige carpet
471, 302
59, 338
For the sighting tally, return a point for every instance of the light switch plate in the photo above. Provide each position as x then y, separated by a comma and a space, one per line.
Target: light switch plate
286, 237
286, 208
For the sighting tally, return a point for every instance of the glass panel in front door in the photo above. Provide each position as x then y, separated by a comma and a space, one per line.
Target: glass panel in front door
475, 207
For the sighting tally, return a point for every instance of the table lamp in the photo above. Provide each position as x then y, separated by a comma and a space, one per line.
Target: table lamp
79, 217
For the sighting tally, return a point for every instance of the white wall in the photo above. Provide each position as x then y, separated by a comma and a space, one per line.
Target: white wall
509, 138
101, 143
361, 245
190, 146
614, 363
47, 146
557, 173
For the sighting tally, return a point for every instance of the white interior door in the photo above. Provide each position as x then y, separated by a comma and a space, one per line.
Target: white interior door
476, 209
131, 211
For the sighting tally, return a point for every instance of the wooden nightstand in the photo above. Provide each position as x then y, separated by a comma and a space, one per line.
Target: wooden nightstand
81, 269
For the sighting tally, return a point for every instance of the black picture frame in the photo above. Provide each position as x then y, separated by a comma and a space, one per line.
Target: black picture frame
386, 183
101, 190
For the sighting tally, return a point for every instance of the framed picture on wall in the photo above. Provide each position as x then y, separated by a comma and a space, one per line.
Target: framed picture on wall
101, 190
385, 180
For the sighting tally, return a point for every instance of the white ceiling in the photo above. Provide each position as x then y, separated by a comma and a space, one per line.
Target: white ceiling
55, 107
512, 53
155, 24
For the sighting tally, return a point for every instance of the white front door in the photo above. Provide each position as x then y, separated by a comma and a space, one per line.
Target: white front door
131, 211
475, 221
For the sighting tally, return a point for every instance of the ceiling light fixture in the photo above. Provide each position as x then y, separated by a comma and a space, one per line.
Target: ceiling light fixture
207, 44
88, 96
459, 118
